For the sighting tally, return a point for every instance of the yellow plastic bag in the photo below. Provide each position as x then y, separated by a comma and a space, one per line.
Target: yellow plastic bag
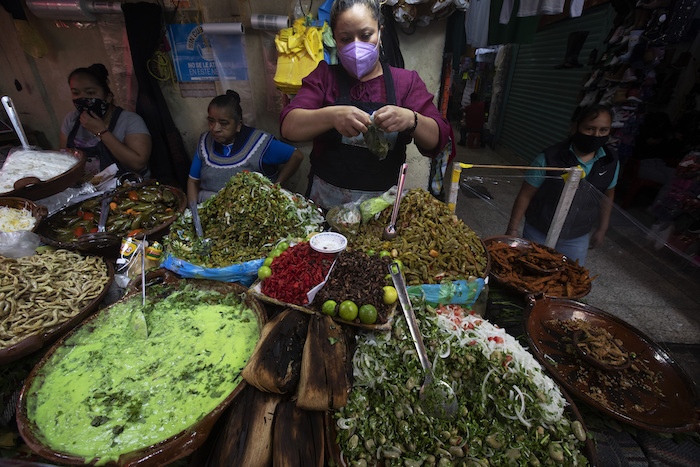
299, 48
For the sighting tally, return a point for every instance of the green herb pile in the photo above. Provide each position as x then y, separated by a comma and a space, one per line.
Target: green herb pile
243, 222
509, 413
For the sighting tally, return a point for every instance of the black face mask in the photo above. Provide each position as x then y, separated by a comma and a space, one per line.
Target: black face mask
588, 143
93, 104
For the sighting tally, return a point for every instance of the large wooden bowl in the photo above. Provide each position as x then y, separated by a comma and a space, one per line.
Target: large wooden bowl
167, 450
522, 246
671, 406
108, 245
32, 188
43, 339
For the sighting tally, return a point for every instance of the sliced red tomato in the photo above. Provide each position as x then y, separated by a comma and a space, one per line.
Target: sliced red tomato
88, 216
79, 231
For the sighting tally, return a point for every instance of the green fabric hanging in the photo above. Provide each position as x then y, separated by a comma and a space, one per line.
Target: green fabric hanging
517, 31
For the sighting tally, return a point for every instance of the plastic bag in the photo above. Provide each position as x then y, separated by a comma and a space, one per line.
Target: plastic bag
299, 48
373, 206
243, 273
18, 244
128, 265
345, 218
376, 141
68, 197
449, 292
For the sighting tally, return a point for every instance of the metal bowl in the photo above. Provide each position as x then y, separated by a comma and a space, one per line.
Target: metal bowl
167, 450
38, 212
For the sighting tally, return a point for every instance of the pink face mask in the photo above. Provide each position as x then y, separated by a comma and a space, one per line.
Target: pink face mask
358, 58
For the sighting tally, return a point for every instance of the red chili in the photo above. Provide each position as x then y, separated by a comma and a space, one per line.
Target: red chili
496, 339
296, 271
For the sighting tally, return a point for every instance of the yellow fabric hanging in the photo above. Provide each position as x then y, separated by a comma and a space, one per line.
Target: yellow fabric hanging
299, 49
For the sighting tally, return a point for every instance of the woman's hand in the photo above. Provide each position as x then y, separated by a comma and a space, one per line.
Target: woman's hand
391, 118
91, 122
349, 120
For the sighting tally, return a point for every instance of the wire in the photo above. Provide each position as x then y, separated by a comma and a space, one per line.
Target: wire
161, 61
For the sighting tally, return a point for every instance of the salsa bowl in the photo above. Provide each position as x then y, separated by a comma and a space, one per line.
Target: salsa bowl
164, 401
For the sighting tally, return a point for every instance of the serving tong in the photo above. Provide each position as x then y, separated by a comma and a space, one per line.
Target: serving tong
100, 240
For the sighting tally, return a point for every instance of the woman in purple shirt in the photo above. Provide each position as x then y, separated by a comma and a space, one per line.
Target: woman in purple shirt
336, 106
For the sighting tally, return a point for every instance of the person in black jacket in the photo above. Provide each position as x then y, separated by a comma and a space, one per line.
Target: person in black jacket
592, 204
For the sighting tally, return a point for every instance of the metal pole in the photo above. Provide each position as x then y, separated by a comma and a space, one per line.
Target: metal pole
454, 187
572, 177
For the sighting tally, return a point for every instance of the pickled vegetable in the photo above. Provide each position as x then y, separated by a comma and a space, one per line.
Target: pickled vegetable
432, 243
128, 211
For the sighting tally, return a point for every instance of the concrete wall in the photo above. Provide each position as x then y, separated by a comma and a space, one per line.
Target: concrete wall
44, 98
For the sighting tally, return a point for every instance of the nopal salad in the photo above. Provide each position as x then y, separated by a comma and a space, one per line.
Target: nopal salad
510, 412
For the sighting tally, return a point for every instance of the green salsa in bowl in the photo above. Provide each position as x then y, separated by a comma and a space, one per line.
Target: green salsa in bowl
103, 396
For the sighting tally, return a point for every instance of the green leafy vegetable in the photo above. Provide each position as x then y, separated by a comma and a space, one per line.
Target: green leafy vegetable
509, 411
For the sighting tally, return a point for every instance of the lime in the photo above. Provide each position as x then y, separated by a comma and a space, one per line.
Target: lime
275, 253
328, 307
399, 263
264, 272
282, 246
368, 314
268, 261
370, 252
384, 253
348, 310
390, 295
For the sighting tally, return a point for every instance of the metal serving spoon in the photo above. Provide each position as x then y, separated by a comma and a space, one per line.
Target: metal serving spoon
437, 396
138, 320
205, 244
390, 230
14, 118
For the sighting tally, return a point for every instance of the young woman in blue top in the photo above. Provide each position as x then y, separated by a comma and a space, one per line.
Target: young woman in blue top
230, 147
539, 195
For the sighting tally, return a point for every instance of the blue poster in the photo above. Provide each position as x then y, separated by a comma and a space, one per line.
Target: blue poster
192, 57
198, 56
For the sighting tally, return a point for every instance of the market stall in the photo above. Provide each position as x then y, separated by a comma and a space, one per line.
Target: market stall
330, 372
